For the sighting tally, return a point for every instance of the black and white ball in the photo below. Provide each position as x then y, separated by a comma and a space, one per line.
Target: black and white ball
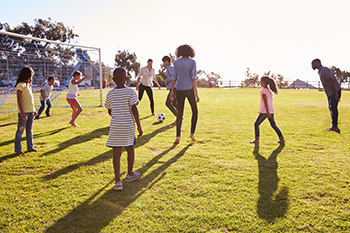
161, 117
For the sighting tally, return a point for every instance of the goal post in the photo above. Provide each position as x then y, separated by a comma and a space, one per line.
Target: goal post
48, 58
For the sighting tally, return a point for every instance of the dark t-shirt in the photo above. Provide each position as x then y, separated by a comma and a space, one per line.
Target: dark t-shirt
325, 74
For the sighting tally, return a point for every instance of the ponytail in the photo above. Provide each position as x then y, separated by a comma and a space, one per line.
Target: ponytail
271, 83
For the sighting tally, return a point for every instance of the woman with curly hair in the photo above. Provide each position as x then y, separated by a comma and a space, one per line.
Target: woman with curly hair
185, 73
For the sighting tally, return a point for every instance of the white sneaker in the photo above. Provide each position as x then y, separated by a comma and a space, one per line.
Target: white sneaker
118, 185
135, 176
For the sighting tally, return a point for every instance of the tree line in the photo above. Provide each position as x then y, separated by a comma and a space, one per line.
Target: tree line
55, 55
253, 79
45, 58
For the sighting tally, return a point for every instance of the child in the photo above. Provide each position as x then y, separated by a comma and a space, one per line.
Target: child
45, 93
72, 95
266, 108
26, 109
121, 104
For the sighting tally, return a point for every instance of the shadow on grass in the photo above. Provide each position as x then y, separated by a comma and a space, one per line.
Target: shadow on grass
143, 118
94, 215
270, 206
79, 139
7, 124
101, 158
12, 141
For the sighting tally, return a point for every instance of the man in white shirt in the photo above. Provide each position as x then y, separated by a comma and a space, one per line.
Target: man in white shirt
147, 75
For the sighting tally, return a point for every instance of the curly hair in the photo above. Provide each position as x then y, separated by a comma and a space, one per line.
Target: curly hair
25, 75
185, 51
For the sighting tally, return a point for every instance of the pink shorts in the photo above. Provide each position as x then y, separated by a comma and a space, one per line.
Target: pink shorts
72, 101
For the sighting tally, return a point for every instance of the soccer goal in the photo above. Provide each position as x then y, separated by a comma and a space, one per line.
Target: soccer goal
48, 58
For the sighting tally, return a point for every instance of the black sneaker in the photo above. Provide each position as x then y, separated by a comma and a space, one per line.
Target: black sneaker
335, 129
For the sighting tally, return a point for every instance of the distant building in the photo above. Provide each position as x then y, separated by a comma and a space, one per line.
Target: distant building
298, 84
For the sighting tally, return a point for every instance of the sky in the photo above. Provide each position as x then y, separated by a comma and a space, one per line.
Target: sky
281, 36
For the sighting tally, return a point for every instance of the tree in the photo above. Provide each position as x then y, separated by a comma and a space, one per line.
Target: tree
252, 80
42, 54
43, 29
211, 77
127, 61
278, 78
342, 76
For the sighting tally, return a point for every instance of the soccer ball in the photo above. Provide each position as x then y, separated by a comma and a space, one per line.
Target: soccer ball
161, 117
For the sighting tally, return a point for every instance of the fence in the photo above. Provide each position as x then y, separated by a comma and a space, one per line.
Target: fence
47, 58
296, 84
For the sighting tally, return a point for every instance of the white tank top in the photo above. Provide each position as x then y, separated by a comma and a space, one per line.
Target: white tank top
72, 90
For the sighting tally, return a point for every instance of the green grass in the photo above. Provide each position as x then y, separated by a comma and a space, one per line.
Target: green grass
221, 183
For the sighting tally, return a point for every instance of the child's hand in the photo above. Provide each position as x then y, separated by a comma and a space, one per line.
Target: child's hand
268, 115
24, 116
35, 114
87, 75
171, 96
140, 131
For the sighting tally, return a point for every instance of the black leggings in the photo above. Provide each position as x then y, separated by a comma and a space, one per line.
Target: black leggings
143, 88
181, 95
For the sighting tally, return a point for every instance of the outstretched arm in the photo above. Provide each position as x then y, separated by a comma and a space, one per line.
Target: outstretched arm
156, 81
80, 80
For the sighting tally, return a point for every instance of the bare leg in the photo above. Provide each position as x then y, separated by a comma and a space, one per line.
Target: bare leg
74, 111
117, 152
131, 159
77, 109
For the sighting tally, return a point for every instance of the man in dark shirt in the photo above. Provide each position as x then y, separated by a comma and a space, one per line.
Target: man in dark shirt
333, 91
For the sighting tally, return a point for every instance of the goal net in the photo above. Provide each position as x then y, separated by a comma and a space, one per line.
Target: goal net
48, 58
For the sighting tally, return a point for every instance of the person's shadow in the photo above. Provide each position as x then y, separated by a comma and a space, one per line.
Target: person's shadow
98, 211
270, 205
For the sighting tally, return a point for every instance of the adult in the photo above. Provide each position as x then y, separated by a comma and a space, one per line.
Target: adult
185, 73
333, 91
147, 75
170, 76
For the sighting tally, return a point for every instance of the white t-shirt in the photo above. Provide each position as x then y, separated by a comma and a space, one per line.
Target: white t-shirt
47, 89
269, 98
147, 76
72, 90
122, 126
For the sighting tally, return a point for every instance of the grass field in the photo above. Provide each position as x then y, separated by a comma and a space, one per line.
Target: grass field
220, 183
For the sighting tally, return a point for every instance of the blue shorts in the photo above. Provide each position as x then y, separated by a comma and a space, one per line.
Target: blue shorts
126, 146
